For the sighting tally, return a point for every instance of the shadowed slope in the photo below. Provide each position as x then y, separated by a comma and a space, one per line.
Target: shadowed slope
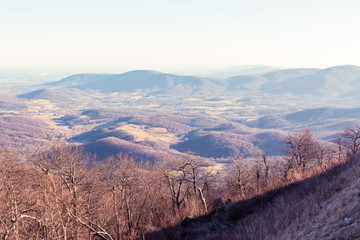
322, 207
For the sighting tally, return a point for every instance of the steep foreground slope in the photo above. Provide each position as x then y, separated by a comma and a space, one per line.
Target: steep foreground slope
323, 207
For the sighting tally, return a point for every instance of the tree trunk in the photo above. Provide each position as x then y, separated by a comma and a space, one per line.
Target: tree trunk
202, 198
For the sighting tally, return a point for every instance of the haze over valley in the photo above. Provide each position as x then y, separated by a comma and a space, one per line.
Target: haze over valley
152, 115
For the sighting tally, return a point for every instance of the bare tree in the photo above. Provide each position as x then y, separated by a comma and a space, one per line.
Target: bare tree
258, 153
340, 152
300, 150
130, 184
18, 208
325, 154
199, 178
66, 168
175, 176
350, 139
238, 175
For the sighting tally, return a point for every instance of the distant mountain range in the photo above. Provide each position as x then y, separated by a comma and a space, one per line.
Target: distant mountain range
323, 122
334, 81
170, 133
139, 79
338, 81
267, 82
215, 71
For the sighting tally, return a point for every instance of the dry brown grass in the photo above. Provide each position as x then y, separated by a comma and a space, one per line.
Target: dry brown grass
323, 206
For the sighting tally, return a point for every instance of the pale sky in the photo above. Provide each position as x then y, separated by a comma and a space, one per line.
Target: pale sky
141, 33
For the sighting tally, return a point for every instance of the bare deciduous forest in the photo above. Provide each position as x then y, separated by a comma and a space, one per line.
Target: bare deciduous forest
62, 192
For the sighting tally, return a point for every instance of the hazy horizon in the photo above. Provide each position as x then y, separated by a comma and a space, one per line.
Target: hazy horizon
167, 35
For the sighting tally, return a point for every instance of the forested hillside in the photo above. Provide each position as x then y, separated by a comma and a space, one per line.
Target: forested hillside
63, 192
